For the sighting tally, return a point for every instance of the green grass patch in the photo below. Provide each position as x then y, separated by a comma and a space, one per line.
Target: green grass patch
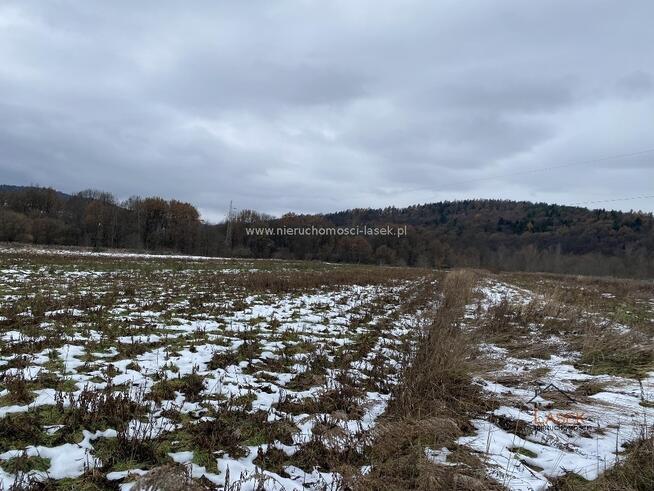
24, 463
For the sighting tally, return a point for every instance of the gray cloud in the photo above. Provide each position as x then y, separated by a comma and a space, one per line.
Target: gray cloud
636, 84
314, 106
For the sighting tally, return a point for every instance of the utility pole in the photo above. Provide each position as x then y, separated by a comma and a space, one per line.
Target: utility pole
228, 232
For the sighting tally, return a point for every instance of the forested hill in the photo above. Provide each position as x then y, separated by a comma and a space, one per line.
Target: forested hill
8, 188
494, 234
501, 223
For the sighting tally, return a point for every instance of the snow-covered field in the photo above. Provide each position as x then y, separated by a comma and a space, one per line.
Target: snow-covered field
246, 374
556, 417
263, 374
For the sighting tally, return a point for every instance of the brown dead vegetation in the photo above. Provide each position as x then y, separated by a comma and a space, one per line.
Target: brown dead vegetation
292, 281
431, 406
169, 477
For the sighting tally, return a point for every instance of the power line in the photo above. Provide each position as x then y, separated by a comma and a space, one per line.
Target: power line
629, 198
553, 167
570, 164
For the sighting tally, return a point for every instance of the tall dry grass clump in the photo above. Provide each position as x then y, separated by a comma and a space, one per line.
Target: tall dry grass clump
431, 406
170, 477
457, 290
438, 376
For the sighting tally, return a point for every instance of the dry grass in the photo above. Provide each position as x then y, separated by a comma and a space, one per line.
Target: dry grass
606, 350
579, 321
98, 409
623, 301
169, 477
431, 406
275, 282
438, 376
18, 388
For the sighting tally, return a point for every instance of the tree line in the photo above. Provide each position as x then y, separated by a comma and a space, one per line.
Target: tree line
495, 234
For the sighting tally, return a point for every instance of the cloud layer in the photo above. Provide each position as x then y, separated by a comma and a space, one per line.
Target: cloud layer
318, 106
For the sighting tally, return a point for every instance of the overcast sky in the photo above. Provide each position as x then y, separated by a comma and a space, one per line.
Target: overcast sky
315, 106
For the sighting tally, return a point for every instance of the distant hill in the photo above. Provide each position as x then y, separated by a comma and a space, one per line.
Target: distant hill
497, 223
495, 234
8, 188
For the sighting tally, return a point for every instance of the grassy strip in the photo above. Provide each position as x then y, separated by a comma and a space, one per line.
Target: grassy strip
431, 406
